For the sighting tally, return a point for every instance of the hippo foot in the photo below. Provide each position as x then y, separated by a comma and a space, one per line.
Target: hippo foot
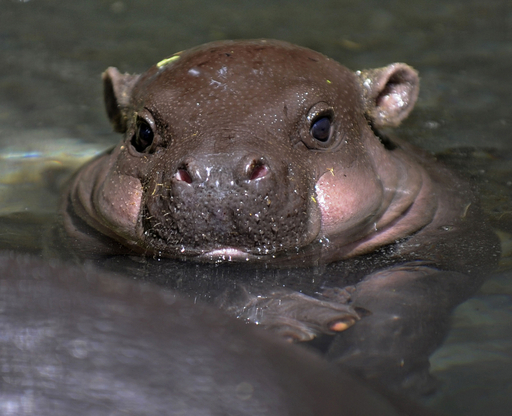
295, 316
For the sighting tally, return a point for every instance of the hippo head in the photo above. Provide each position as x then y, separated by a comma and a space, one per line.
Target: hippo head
253, 149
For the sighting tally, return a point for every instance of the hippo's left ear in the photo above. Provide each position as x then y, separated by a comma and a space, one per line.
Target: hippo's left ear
389, 93
117, 91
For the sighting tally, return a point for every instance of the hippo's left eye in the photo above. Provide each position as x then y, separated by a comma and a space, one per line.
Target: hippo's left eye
321, 129
143, 137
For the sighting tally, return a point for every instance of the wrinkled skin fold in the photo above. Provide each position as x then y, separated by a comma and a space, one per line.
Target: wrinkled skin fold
265, 152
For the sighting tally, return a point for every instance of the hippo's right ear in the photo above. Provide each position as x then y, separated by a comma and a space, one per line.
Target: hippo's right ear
117, 90
389, 93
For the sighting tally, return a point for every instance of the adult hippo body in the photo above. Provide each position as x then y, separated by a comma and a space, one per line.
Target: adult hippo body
79, 342
262, 151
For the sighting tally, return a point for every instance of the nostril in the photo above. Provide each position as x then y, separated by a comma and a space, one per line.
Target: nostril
183, 175
257, 170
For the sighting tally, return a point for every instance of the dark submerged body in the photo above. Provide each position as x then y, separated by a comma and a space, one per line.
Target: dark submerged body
78, 342
226, 157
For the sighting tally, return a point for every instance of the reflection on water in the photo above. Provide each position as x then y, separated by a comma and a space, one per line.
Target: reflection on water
474, 363
33, 165
40, 161
50, 91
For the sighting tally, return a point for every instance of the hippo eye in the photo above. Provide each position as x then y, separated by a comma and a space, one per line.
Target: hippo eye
321, 129
320, 132
143, 137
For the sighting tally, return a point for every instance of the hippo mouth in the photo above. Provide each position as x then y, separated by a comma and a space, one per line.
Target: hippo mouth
211, 222
220, 242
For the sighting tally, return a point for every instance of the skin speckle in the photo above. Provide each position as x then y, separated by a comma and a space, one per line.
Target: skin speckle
194, 72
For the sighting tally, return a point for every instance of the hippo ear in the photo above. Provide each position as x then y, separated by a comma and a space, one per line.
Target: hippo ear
389, 93
117, 90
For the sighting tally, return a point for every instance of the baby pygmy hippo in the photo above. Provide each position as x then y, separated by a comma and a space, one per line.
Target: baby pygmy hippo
263, 151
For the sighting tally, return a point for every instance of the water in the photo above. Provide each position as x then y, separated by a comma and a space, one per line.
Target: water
52, 117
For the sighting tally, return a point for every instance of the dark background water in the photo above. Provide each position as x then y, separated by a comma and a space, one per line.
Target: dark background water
53, 52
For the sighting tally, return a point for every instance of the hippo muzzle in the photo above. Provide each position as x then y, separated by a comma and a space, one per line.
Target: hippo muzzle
221, 203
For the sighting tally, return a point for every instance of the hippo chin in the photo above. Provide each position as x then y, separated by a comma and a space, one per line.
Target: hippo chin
268, 152
252, 150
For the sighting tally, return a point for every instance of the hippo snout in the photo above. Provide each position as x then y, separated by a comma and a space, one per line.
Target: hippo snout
215, 202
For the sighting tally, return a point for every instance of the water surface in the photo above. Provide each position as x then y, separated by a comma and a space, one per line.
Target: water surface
52, 119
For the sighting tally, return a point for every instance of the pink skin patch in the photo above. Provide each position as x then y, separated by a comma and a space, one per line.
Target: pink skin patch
349, 204
119, 201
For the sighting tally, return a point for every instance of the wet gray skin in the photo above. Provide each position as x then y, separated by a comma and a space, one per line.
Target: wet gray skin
78, 342
262, 151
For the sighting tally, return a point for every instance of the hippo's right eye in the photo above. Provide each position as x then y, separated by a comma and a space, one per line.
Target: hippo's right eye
143, 137
321, 129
